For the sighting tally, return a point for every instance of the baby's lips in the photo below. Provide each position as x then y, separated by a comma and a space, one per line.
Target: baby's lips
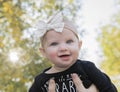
64, 55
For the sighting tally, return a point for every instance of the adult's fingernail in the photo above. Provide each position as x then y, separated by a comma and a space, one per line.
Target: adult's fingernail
51, 80
74, 75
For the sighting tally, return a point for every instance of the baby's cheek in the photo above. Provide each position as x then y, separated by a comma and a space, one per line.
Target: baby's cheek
52, 55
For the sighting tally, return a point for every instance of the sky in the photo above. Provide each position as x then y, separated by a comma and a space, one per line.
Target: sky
94, 13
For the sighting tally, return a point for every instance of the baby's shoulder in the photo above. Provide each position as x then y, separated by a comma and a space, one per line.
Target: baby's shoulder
85, 62
42, 76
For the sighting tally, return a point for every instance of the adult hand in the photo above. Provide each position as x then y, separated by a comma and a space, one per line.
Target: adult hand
80, 87
51, 87
78, 84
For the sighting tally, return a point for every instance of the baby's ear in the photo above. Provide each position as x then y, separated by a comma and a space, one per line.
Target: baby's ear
42, 50
80, 44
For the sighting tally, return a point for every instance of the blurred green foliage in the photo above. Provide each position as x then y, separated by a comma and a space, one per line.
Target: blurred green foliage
16, 18
110, 43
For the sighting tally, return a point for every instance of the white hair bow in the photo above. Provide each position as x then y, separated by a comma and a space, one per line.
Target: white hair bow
55, 23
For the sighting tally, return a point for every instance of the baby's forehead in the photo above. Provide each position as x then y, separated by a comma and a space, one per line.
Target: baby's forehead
59, 35
53, 36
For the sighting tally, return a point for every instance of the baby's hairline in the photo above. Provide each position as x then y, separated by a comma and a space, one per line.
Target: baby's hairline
43, 37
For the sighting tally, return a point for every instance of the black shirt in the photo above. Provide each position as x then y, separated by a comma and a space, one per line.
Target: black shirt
87, 72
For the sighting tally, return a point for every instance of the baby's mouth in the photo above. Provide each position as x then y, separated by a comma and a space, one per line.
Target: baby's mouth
64, 56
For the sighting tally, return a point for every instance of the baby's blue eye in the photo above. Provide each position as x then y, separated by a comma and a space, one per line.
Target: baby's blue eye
70, 41
54, 44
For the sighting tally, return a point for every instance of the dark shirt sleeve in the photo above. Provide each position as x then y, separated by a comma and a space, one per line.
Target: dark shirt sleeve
100, 79
34, 87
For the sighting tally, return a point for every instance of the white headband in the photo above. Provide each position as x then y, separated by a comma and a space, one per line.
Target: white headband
55, 23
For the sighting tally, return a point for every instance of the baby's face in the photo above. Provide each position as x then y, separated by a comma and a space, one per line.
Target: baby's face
61, 48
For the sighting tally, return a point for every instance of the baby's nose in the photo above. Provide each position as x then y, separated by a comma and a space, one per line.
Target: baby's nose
63, 47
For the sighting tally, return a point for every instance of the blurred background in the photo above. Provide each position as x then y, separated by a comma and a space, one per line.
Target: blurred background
98, 23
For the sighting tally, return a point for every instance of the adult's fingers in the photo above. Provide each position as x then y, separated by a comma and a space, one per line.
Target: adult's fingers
80, 87
51, 85
78, 83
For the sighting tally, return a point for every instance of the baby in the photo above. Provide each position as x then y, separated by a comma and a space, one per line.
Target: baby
60, 43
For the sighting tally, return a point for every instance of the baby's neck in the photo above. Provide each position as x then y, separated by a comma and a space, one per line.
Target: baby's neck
54, 69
